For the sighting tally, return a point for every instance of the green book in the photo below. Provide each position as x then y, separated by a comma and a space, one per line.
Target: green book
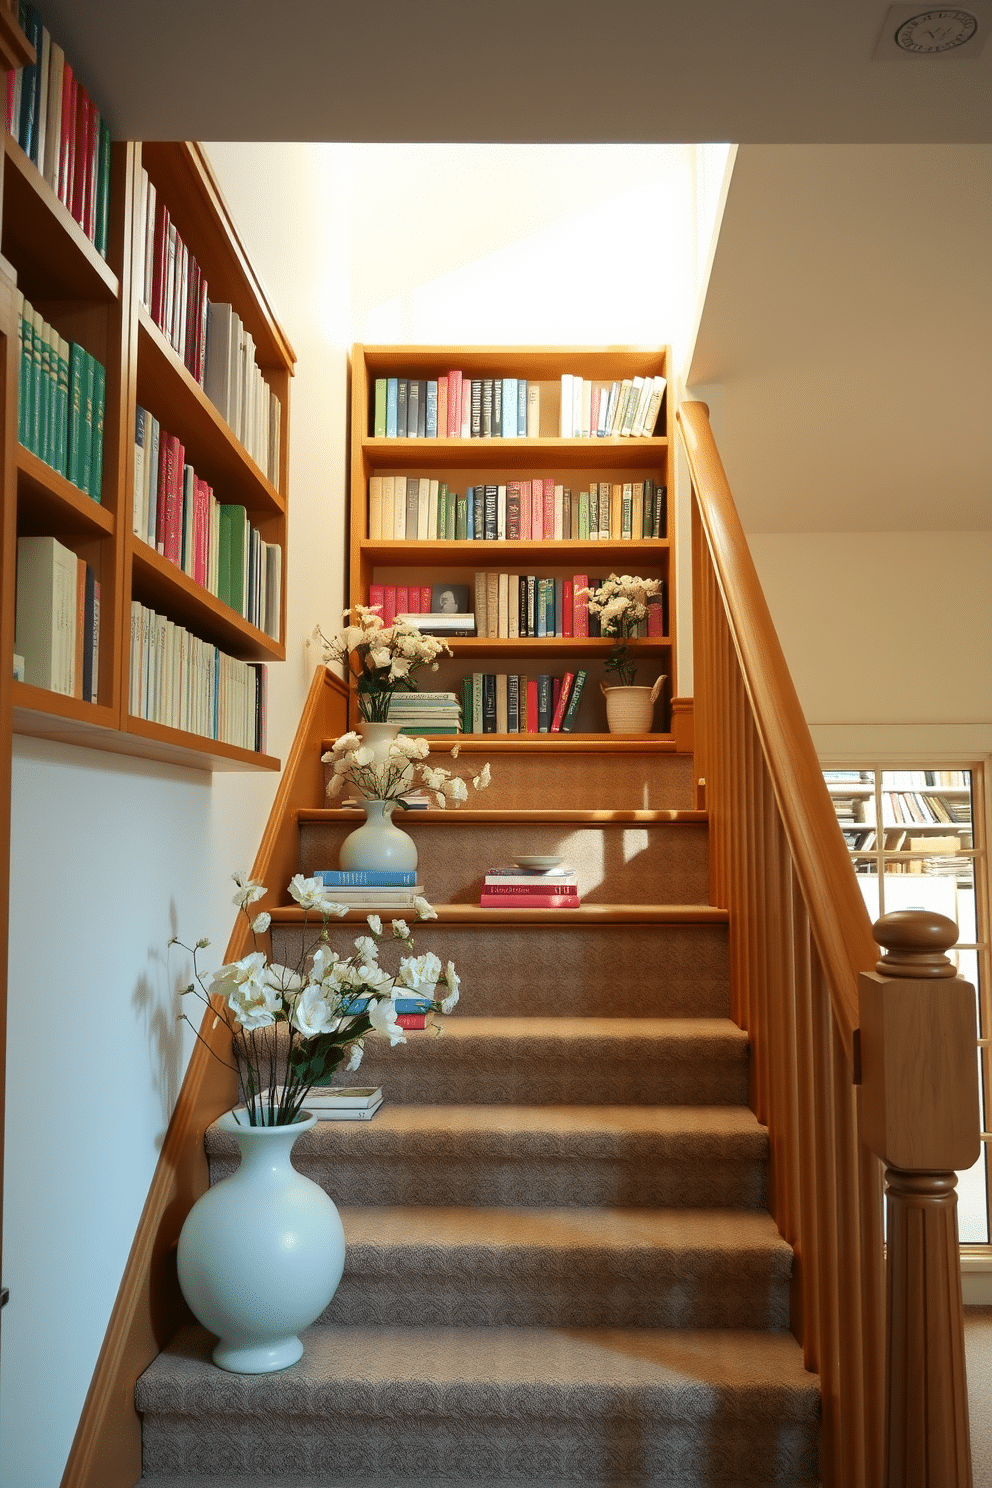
102, 236
237, 520
467, 704
86, 431
379, 420
37, 340
461, 518
62, 407
442, 513
449, 514
95, 483
24, 334
583, 516
571, 712
476, 714
224, 556
77, 376
44, 395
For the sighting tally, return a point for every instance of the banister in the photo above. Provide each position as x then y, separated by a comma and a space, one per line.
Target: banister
821, 861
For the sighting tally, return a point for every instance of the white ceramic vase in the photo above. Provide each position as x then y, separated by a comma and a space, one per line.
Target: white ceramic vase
261, 1253
378, 842
630, 710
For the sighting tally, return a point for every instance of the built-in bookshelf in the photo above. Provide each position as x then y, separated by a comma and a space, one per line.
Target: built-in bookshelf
175, 627
473, 511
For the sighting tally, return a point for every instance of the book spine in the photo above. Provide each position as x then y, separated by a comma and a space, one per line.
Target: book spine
572, 708
528, 901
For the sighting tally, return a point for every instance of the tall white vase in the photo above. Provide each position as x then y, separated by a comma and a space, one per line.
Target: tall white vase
261, 1252
378, 737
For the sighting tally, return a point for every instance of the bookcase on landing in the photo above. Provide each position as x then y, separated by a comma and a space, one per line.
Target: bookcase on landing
96, 303
571, 462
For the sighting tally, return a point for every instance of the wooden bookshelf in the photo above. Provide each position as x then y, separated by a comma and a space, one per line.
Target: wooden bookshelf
461, 462
96, 302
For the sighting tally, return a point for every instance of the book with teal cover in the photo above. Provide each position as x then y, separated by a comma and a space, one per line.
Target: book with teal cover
237, 525
77, 412
95, 481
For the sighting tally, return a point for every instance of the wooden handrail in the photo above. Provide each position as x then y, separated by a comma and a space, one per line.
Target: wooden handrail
886, 1337
106, 1449
821, 861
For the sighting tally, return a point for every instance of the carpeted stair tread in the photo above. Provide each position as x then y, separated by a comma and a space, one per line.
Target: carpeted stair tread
691, 1061
563, 1268
661, 1407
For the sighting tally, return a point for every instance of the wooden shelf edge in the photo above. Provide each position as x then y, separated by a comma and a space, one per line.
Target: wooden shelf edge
22, 174
15, 49
473, 914
554, 743
142, 741
498, 818
240, 635
53, 487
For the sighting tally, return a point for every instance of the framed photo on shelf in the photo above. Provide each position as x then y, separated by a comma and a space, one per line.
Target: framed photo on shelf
450, 599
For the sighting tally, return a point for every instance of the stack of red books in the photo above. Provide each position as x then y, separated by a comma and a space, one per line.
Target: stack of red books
543, 883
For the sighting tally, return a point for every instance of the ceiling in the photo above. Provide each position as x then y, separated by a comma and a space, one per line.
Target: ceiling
850, 293
791, 71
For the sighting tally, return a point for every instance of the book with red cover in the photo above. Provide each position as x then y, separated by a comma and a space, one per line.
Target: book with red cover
532, 723
548, 531
540, 887
411, 1020
377, 596
173, 524
524, 900
412, 606
537, 511
162, 489
402, 599
80, 156
656, 615
525, 509
454, 405
567, 607
388, 603
580, 607
513, 510
201, 529
561, 703
425, 598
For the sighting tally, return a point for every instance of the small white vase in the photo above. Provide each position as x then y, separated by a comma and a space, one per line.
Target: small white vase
261, 1252
378, 842
378, 737
630, 710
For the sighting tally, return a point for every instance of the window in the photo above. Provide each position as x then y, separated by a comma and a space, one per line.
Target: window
917, 841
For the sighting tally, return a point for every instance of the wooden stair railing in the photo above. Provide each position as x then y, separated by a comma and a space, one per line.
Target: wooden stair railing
891, 1367
106, 1449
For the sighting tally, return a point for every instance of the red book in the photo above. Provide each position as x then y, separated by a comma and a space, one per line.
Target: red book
402, 600
532, 724
454, 405
549, 511
376, 596
561, 702
580, 607
68, 135
528, 901
425, 599
411, 1020
567, 608
80, 156
656, 616
201, 529
412, 600
442, 407
164, 445
174, 501
541, 887
388, 603
525, 512
160, 263
537, 511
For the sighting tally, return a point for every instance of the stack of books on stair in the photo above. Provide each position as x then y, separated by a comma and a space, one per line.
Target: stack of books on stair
340, 1102
531, 883
372, 888
426, 712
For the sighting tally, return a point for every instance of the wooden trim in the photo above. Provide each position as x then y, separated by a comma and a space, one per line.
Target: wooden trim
106, 1451
15, 49
838, 916
683, 725
616, 914
506, 818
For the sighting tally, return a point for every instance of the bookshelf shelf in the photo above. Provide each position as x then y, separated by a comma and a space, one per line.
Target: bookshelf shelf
97, 303
574, 464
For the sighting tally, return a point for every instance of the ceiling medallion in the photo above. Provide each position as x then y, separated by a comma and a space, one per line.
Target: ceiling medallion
934, 31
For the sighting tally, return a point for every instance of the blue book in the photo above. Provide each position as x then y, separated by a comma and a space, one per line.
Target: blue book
470, 512
522, 407
513, 704
431, 424
363, 878
402, 1005
509, 409
392, 391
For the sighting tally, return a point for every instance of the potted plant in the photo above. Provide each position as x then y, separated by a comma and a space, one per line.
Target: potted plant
621, 602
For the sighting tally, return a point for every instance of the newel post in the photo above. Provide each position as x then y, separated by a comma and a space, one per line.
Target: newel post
920, 1115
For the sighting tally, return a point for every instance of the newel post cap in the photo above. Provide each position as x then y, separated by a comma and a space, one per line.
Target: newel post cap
914, 942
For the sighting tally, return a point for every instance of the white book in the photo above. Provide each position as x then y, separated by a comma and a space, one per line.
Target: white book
565, 419
386, 525
533, 411
423, 509
633, 386
46, 612
53, 123
577, 385
586, 408
654, 406
399, 507
640, 411
44, 64
501, 513
151, 206
432, 500
273, 590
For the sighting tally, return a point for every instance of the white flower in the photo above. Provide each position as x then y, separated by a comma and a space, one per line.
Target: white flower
456, 790
424, 910
455, 750
420, 973
401, 930
249, 989
380, 656
367, 947
324, 960
375, 924
452, 979
312, 1013
434, 777
334, 786
306, 891
354, 1057
374, 978
382, 1016
261, 922
483, 780
248, 890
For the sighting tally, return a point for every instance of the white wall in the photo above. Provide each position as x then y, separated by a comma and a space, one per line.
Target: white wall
539, 244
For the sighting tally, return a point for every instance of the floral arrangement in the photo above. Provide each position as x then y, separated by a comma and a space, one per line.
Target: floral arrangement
392, 777
329, 1007
621, 604
383, 658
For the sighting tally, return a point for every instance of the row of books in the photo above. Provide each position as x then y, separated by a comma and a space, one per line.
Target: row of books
60, 129
185, 683
61, 401
505, 703
57, 621
176, 512
519, 887
628, 408
453, 406
374, 889
412, 508
209, 337
507, 605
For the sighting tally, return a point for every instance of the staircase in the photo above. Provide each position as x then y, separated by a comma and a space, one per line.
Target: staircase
560, 1270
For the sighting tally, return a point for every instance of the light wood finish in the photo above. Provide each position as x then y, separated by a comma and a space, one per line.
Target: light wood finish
920, 1113
95, 302
15, 49
617, 914
799, 939
475, 461
106, 1452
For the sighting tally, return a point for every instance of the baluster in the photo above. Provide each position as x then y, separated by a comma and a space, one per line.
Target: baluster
919, 1093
